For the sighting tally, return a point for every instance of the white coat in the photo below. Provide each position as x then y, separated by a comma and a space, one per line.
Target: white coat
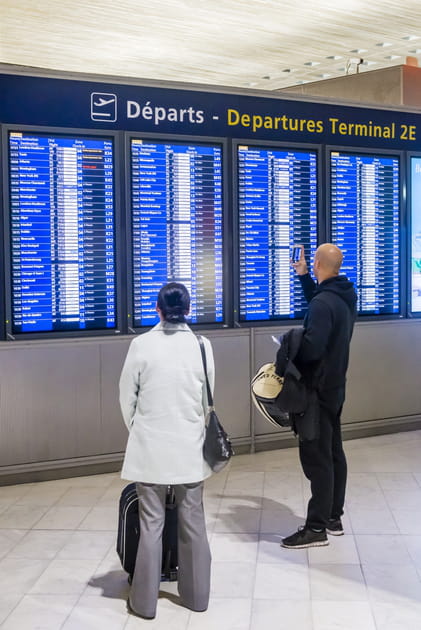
163, 401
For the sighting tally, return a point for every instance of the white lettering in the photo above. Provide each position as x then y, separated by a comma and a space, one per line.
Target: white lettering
133, 109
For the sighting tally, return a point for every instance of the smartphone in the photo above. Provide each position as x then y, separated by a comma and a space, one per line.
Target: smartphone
296, 253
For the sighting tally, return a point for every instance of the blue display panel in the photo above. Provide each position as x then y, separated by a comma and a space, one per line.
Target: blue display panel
62, 229
277, 198
177, 235
415, 304
365, 213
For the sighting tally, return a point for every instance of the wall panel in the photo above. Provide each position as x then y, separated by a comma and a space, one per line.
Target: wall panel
59, 400
50, 402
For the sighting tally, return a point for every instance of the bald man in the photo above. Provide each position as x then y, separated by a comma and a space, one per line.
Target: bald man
323, 360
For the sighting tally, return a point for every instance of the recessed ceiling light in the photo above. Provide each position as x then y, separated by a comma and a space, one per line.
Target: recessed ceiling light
416, 51
369, 63
312, 63
334, 57
288, 70
267, 77
251, 84
410, 38
383, 44
324, 75
393, 57
359, 50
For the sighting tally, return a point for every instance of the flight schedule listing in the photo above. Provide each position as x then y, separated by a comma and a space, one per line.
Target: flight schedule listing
277, 196
415, 251
62, 233
365, 225
177, 226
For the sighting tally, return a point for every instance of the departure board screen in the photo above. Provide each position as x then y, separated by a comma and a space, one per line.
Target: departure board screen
277, 198
62, 225
177, 229
415, 306
365, 226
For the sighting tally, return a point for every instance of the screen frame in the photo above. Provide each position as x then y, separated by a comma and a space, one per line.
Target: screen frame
65, 133
409, 156
320, 228
226, 230
369, 152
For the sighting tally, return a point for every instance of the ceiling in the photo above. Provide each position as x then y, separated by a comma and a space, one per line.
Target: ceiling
259, 44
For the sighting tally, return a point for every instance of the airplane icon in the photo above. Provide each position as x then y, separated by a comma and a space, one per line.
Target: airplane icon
103, 107
103, 101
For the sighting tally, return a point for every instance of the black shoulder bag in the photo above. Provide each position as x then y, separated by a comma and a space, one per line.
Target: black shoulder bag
217, 447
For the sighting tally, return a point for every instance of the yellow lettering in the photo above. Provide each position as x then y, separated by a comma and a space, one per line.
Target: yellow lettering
268, 124
284, 122
233, 117
333, 122
293, 124
245, 120
343, 129
257, 122
361, 130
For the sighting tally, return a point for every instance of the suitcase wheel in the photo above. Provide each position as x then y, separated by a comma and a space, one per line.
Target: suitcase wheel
169, 576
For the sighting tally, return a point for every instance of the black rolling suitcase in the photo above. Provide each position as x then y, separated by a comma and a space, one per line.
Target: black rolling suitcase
128, 533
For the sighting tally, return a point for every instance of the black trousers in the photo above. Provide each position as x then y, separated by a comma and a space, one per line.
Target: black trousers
324, 463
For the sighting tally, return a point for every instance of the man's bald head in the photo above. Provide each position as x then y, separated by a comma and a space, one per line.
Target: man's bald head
327, 261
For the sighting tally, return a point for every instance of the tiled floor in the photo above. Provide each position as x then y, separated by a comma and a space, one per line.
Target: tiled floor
59, 569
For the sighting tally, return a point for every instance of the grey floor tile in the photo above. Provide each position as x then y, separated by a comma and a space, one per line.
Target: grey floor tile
35, 612
59, 569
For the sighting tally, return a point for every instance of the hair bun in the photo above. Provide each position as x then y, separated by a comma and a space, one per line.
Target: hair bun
174, 314
174, 302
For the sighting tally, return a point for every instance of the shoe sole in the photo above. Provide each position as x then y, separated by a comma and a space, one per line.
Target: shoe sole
136, 614
335, 533
322, 543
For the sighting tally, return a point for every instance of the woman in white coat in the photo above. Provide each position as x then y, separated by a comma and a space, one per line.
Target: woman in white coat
163, 401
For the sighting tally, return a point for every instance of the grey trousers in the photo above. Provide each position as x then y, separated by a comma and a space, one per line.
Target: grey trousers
194, 557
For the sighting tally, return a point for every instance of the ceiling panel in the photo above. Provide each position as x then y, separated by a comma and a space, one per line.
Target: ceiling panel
264, 44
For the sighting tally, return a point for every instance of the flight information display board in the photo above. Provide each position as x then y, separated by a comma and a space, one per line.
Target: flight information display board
365, 213
415, 305
62, 232
277, 198
177, 226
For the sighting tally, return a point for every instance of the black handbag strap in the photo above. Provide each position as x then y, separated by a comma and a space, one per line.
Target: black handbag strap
202, 350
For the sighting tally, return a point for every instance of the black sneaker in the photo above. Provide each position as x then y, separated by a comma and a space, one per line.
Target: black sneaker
305, 537
334, 527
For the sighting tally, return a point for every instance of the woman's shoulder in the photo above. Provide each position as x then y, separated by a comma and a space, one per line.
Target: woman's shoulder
206, 342
144, 338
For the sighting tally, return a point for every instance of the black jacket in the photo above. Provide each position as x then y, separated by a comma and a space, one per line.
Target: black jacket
293, 396
328, 327
297, 397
